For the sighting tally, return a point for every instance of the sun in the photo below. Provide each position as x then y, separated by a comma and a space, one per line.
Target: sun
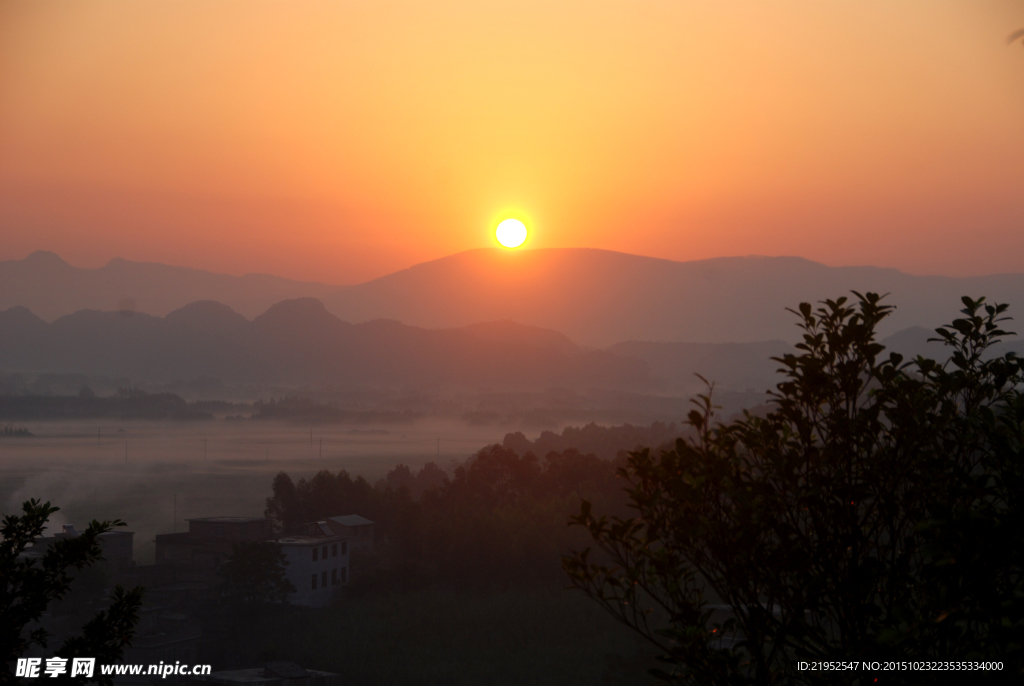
511, 233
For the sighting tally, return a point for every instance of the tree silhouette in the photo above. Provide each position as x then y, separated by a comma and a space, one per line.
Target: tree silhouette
875, 514
254, 575
28, 585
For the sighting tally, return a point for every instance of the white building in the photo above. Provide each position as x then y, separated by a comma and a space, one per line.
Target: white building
317, 567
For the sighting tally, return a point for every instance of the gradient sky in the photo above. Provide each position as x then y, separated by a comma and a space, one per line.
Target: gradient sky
338, 141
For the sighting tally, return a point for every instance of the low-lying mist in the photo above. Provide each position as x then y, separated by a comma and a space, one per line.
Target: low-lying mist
155, 475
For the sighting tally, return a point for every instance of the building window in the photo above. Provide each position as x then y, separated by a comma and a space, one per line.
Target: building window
334, 550
344, 547
334, 577
314, 582
323, 578
325, 552
344, 575
315, 552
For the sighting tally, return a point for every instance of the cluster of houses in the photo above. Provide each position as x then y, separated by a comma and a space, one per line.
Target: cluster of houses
318, 558
185, 576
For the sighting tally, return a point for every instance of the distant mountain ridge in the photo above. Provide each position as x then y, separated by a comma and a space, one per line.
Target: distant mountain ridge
52, 288
595, 297
299, 343
599, 297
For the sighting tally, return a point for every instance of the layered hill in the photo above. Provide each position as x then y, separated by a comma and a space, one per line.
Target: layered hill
599, 297
51, 288
595, 297
298, 342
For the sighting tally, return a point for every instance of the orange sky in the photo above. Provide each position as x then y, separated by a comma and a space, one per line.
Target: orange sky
338, 141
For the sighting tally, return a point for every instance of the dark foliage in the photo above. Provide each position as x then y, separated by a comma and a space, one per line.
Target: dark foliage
15, 432
254, 575
607, 442
499, 519
128, 403
28, 586
428, 478
875, 513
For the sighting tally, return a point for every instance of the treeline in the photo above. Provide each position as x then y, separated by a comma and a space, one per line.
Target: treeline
500, 519
127, 403
306, 410
606, 442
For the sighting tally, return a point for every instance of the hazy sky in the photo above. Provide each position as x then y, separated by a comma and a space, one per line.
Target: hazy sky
338, 141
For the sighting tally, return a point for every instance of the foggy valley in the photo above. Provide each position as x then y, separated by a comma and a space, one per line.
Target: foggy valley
467, 447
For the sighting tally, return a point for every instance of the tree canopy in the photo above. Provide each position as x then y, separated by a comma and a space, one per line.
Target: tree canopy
254, 575
29, 584
875, 513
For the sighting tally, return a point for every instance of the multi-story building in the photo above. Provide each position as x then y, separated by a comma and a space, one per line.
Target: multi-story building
209, 540
317, 566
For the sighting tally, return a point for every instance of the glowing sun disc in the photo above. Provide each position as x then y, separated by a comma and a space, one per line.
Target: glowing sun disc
511, 233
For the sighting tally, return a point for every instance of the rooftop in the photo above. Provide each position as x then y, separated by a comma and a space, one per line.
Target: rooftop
351, 520
306, 540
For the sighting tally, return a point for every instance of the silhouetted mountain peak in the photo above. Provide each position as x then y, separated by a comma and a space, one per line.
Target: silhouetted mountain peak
20, 316
52, 288
597, 297
209, 316
299, 314
45, 258
300, 342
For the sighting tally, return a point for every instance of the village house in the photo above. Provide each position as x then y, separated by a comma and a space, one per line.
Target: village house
209, 540
317, 559
317, 566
